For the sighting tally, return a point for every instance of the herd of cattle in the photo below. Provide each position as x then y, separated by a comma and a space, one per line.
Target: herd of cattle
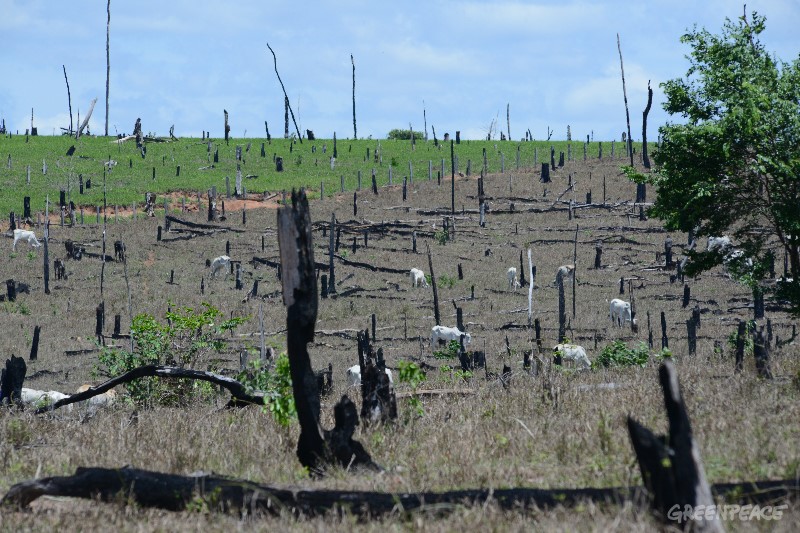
619, 310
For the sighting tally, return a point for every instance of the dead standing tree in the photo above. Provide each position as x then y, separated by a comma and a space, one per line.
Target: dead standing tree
86, 119
671, 466
69, 99
108, 58
285, 96
355, 134
316, 447
645, 157
227, 126
625, 95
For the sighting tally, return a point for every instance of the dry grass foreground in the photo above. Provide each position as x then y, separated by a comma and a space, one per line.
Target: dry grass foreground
747, 428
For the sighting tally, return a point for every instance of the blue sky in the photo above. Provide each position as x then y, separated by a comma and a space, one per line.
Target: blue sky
182, 62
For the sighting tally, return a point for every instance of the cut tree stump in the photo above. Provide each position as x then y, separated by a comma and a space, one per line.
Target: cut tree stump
670, 464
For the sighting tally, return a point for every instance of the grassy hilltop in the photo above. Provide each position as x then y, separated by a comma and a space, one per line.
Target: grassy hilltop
304, 165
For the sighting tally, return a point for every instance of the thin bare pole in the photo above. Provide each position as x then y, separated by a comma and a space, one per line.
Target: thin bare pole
69, 99
625, 94
286, 96
645, 156
108, 58
355, 134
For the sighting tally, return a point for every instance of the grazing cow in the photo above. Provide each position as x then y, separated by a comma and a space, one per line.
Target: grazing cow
25, 235
354, 375
574, 353
620, 313
443, 333
219, 263
39, 398
101, 400
119, 251
417, 277
60, 269
731, 257
565, 273
513, 282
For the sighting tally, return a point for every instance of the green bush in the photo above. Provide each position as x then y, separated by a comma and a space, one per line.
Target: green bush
186, 339
450, 351
410, 373
617, 353
404, 135
276, 384
446, 281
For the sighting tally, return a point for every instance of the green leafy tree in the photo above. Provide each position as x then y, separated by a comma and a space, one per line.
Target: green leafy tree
733, 167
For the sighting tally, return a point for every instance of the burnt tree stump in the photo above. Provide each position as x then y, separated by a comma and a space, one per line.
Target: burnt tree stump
11, 379
670, 464
315, 447
35, 343
741, 333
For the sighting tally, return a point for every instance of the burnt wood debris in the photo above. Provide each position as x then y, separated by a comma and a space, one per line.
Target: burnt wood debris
670, 465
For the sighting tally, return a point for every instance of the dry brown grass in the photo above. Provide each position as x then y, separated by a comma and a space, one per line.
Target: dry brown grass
747, 428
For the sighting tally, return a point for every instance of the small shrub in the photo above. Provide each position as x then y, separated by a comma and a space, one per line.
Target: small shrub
186, 340
410, 373
18, 433
404, 135
748, 338
617, 353
449, 352
447, 281
441, 236
31, 256
462, 375
276, 383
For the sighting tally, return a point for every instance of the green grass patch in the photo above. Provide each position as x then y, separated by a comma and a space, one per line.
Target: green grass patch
304, 165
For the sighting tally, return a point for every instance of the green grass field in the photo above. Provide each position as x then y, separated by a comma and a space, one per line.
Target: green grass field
304, 165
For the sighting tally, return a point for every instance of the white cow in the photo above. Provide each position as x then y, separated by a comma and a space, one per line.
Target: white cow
443, 333
219, 263
25, 235
730, 255
513, 283
354, 375
417, 277
720, 244
565, 272
574, 353
39, 398
620, 313
101, 400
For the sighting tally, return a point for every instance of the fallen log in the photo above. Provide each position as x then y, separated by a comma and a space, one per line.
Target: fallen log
177, 220
237, 390
177, 493
276, 264
373, 268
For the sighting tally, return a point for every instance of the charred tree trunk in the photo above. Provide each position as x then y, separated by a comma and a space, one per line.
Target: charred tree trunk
11, 379
355, 133
645, 156
315, 447
286, 96
625, 95
108, 59
69, 103
437, 317
670, 465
